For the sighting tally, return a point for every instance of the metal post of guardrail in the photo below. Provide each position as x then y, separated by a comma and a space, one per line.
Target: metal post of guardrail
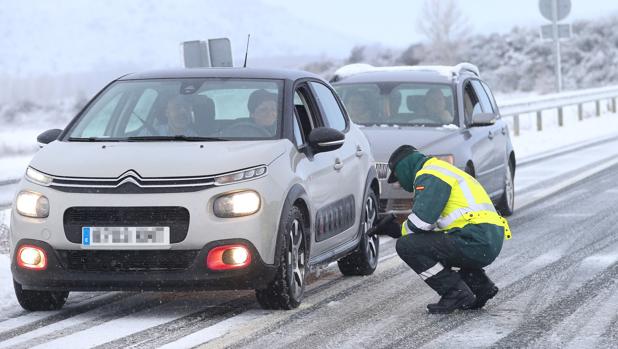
516, 124
598, 107
539, 121
614, 105
580, 112
560, 117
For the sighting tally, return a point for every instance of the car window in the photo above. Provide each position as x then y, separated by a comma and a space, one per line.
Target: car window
471, 103
100, 116
483, 98
304, 117
141, 112
333, 115
492, 99
233, 109
426, 104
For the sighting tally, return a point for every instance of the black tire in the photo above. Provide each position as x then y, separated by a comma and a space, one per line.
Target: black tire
40, 300
506, 204
365, 260
287, 289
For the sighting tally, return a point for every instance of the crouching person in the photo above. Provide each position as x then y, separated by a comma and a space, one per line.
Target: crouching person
453, 224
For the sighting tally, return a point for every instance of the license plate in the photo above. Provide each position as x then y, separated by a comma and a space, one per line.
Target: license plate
125, 237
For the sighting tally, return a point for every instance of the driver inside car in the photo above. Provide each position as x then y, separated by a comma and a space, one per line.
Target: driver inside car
179, 117
262, 107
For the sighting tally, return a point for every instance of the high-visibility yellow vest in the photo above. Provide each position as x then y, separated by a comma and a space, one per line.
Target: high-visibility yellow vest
468, 203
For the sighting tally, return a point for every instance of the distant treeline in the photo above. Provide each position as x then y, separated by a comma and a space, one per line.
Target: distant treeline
515, 61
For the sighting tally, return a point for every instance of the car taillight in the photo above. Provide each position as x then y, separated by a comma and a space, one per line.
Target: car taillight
31, 257
228, 257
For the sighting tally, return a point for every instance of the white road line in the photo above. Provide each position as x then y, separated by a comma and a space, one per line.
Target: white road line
69, 322
215, 331
32, 317
121, 327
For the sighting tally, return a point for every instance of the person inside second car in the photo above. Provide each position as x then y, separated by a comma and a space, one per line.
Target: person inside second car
262, 107
435, 106
453, 224
359, 108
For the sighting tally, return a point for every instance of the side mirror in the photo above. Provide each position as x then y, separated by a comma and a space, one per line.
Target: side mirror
323, 139
48, 136
483, 119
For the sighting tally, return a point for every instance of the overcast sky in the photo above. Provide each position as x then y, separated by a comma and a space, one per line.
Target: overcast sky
393, 22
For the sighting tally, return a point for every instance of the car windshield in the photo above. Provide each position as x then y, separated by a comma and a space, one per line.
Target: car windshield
183, 110
426, 104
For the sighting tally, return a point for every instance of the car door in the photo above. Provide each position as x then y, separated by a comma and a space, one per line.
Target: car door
500, 134
497, 141
318, 175
347, 190
481, 143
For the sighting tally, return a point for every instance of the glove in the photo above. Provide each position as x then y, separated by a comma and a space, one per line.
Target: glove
386, 225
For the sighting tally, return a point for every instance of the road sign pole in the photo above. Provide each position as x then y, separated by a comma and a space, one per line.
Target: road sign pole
558, 65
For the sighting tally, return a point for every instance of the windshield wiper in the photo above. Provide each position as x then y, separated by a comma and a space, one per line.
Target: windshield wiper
92, 139
173, 138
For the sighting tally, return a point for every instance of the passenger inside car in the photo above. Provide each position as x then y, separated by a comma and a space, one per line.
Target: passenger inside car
262, 107
435, 106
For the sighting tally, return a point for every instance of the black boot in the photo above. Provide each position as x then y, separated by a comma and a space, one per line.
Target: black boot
482, 287
458, 297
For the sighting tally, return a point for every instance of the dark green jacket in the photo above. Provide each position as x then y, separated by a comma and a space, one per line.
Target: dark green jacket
481, 242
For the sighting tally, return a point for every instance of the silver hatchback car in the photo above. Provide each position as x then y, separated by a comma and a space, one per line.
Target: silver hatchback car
447, 112
197, 179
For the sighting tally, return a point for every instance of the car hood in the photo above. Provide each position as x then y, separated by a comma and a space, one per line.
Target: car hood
385, 139
154, 159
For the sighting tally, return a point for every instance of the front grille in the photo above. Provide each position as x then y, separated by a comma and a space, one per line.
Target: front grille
177, 218
103, 260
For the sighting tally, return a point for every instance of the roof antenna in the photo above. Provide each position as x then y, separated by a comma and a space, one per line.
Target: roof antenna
247, 51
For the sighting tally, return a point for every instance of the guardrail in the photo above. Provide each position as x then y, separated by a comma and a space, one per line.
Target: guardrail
558, 101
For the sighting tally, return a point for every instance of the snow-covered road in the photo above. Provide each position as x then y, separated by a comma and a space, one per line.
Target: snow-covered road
558, 278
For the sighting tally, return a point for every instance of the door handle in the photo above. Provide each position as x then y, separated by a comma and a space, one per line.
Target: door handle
504, 130
338, 164
490, 135
359, 151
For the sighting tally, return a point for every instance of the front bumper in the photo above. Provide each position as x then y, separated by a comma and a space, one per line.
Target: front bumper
58, 276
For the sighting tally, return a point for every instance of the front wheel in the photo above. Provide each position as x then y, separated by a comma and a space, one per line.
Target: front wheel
39, 300
365, 260
506, 205
287, 289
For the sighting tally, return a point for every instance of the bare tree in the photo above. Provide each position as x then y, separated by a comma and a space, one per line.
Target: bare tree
445, 27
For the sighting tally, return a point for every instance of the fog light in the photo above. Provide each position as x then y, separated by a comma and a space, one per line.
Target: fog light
31, 257
228, 257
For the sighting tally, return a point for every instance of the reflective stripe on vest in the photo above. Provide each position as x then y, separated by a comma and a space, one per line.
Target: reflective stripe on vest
468, 202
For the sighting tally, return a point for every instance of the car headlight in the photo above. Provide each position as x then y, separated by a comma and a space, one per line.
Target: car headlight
38, 177
448, 158
241, 176
242, 203
31, 204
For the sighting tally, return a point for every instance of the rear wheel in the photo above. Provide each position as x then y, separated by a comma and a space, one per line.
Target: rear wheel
365, 260
506, 205
39, 300
287, 289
